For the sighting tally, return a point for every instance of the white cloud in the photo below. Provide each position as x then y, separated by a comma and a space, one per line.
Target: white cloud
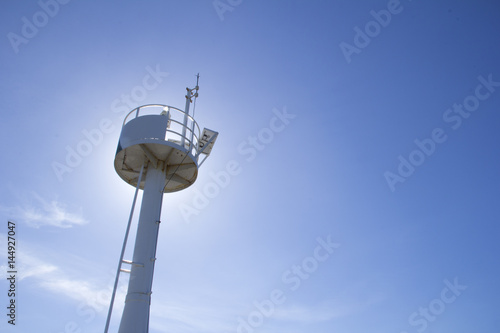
182, 315
30, 266
314, 314
40, 212
57, 281
26, 265
79, 290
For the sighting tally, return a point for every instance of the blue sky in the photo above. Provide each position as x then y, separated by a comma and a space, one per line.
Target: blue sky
358, 139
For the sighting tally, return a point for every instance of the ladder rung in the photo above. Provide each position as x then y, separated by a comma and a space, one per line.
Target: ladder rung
124, 270
132, 263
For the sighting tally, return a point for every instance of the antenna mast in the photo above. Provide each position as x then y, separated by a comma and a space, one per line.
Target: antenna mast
189, 99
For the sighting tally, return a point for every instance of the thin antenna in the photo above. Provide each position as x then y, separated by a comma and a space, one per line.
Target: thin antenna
196, 95
189, 99
194, 105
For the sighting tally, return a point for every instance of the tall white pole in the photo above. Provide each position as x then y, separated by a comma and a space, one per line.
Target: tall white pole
135, 318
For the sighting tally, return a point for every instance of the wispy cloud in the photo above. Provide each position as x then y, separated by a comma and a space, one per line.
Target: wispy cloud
187, 317
318, 313
58, 281
38, 212
81, 291
33, 267
26, 265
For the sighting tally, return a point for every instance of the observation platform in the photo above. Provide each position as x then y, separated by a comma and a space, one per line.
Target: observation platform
166, 138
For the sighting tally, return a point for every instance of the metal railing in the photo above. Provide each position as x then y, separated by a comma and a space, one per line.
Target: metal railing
175, 127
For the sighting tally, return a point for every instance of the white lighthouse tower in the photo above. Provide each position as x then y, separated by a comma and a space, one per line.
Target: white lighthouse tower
159, 151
